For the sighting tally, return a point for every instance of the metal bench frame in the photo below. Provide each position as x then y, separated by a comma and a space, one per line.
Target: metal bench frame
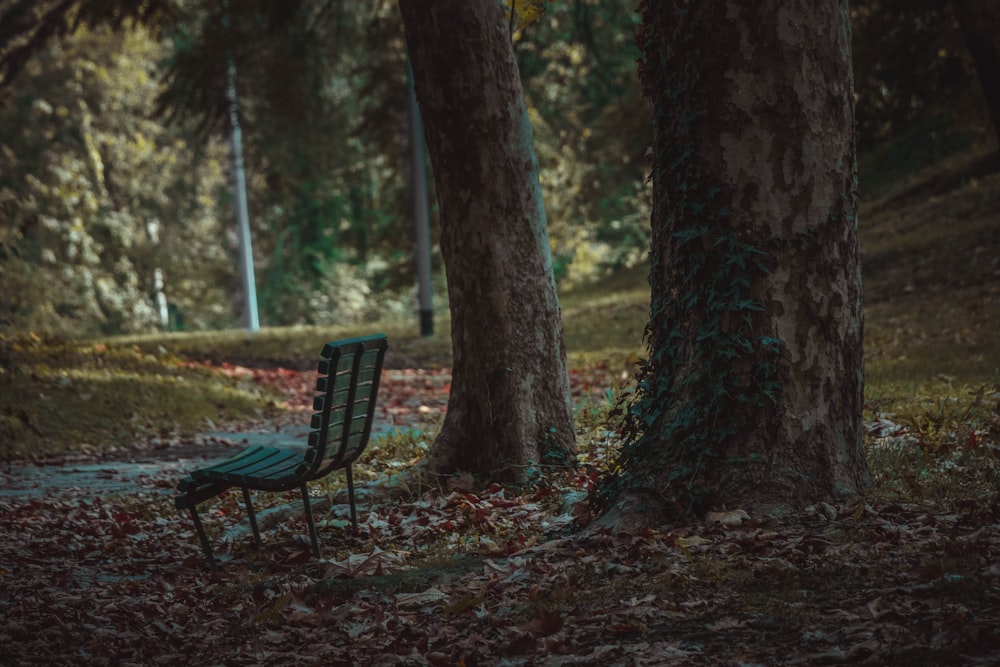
349, 375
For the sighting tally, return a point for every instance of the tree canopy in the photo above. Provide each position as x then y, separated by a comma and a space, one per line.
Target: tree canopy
323, 96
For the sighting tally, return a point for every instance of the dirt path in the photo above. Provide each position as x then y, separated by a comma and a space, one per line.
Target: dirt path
409, 399
154, 466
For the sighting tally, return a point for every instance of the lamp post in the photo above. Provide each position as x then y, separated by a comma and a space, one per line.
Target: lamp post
251, 316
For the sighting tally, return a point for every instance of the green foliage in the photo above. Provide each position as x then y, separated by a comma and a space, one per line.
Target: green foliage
323, 108
322, 92
323, 104
86, 176
591, 129
524, 13
27, 26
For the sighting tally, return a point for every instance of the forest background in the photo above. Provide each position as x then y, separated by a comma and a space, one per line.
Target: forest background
116, 210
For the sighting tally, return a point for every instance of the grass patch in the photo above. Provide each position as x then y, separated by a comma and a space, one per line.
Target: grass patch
934, 442
932, 311
291, 347
58, 397
603, 321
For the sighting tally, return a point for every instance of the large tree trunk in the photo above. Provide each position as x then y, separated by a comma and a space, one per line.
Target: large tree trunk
510, 406
980, 22
753, 390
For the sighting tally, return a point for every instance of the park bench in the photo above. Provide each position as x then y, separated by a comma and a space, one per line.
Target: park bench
349, 375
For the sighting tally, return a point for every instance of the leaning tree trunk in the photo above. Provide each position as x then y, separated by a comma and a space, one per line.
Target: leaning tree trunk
980, 22
753, 390
509, 408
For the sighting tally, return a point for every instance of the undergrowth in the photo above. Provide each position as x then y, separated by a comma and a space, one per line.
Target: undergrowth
937, 442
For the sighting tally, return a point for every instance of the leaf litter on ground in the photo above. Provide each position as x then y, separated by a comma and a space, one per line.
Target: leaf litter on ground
495, 576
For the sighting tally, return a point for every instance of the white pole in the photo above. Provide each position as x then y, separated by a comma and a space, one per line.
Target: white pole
153, 229
251, 318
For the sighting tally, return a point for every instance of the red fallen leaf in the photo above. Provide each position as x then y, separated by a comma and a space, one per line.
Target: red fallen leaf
624, 628
503, 503
929, 572
543, 626
543, 493
582, 514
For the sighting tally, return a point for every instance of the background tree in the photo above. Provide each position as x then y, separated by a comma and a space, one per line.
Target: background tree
326, 196
317, 209
509, 407
920, 94
84, 172
980, 22
26, 26
323, 96
753, 389
591, 129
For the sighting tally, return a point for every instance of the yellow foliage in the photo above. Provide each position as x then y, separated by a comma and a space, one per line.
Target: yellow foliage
526, 12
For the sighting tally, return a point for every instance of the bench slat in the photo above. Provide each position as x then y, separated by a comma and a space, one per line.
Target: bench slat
349, 375
342, 381
271, 462
248, 459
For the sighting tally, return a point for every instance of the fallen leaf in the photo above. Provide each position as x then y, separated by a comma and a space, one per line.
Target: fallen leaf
422, 599
727, 519
546, 624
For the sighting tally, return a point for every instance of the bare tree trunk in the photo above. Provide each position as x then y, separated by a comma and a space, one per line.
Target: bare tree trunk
510, 407
753, 390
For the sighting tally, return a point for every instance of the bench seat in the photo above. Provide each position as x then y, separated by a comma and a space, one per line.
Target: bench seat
349, 375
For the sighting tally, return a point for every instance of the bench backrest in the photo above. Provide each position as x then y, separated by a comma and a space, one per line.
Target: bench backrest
349, 375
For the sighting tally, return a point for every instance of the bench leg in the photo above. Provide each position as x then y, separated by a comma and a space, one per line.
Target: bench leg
350, 497
309, 520
203, 538
252, 516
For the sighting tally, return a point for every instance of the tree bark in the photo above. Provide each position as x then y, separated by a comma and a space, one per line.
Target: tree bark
510, 408
980, 23
753, 391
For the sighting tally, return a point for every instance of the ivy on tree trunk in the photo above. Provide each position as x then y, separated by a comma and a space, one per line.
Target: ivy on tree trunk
752, 393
